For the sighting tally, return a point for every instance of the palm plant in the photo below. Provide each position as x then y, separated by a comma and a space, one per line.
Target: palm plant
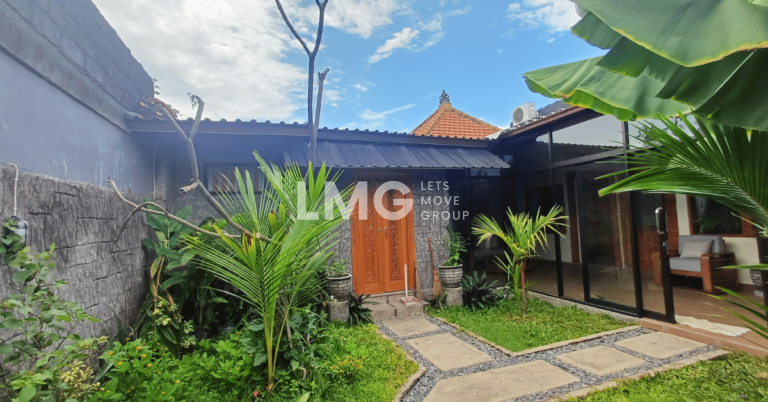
726, 164
523, 235
280, 276
722, 163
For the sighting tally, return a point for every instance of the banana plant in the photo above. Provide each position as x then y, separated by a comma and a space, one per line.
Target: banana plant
160, 315
665, 56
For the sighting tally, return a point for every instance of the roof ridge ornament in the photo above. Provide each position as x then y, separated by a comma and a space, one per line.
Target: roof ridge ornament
444, 98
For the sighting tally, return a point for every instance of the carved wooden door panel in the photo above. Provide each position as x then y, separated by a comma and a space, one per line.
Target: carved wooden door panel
381, 247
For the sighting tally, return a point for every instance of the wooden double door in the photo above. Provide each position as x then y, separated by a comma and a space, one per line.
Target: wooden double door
381, 248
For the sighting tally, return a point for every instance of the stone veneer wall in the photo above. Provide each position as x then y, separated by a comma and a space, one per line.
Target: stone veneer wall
82, 220
425, 226
429, 228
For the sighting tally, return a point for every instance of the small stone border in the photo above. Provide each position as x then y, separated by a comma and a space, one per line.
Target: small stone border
422, 383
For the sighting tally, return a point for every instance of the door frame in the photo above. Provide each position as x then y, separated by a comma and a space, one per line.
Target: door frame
383, 175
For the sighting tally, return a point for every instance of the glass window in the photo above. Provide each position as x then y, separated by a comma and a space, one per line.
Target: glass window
533, 154
594, 136
711, 217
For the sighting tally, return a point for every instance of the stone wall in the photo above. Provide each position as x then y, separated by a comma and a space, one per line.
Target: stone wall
82, 220
427, 225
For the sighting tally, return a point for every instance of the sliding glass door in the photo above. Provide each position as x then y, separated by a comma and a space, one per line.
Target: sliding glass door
605, 235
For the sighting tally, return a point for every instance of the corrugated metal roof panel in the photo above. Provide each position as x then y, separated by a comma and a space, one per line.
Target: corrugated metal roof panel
343, 154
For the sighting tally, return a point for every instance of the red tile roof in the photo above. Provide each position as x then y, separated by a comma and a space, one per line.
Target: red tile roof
449, 122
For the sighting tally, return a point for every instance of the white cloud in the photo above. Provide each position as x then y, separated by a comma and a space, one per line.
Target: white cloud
233, 54
436, 27
360, 17
555, 15
400, 40
375, 119
360, 87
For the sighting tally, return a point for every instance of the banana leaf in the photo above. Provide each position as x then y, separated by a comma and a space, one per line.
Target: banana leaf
709, 55
588, 85
687, 32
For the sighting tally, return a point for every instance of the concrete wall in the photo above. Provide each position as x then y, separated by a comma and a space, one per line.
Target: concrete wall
71, 45
82, 220
66, 80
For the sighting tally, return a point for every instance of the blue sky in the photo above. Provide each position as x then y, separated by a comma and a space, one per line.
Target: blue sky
389, 59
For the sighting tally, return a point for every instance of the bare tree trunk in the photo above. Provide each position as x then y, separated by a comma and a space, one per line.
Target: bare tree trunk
311, 54
320, 82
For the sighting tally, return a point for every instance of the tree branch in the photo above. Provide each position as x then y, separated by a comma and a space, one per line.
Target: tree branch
196, 125
320, 81
196, 173
162, 211
290, 26
319, 28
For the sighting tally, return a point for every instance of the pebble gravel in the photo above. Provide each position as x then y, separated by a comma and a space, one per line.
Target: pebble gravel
433, 375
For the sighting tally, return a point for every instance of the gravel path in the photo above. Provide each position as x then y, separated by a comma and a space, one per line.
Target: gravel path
432, 375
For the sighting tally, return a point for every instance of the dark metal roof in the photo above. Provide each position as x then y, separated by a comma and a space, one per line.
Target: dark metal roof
152, 125
354, 154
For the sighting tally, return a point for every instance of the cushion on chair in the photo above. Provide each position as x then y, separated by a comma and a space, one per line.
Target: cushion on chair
687, 264
694, 249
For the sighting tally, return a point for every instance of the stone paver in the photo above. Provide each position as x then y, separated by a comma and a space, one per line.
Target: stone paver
601, 360
410, 326
501, 384
659, 345
448, 352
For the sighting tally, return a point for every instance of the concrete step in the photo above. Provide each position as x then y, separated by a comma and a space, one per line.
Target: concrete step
386, 310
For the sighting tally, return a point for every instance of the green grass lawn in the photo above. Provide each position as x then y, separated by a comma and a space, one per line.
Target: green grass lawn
385, 370
505, 324
736, 377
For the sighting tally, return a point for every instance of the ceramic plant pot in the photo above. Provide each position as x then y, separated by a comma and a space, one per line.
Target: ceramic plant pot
450, 276
339, 287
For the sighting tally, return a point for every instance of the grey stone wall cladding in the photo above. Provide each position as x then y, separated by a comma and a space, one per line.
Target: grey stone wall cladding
82, 220
71, 44
429, 228
423, 200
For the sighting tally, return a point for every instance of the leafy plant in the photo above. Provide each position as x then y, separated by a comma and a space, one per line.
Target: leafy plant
454, 244
522, 235
278, 276
160, 316
337, 269
358, 313
477, 294
39, 344
437, 302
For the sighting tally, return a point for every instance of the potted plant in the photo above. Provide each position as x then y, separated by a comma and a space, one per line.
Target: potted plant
452, 270
339, 281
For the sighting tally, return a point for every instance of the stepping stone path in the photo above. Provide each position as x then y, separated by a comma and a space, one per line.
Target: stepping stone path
460, 367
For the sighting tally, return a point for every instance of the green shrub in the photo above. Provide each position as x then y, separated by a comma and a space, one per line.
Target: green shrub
40, 353
477, 294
